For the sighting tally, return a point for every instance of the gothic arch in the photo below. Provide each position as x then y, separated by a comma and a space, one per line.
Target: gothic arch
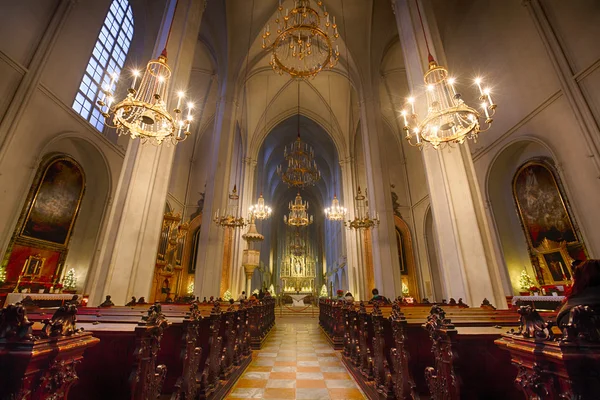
406, 257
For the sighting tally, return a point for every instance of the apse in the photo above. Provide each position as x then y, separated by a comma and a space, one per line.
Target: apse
279, 195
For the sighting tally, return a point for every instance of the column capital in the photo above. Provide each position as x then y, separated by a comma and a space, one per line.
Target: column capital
347, 160
250, 161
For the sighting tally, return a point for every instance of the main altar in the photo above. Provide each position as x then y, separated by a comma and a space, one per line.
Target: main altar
298, 275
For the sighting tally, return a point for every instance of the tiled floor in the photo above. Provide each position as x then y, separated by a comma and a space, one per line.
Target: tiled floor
296, 362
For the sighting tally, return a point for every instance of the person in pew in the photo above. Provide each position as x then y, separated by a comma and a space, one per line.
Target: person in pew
242, 296
349, 298
585, 289
107, 302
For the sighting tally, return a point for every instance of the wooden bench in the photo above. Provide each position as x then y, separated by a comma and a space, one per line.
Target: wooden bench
409, 352
174, 351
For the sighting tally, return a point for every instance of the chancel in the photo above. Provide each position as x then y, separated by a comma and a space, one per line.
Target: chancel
311, 199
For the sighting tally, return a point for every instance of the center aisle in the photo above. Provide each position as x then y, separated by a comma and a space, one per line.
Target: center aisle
296, 362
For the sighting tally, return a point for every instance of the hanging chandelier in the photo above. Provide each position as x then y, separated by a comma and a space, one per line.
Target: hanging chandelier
144, 111
303, 43
298, 215
260, 210
449, 119
362, 220
230, 217
301, 168
335, 212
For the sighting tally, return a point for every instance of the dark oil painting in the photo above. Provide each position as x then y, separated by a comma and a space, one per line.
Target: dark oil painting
55, 203
541, 205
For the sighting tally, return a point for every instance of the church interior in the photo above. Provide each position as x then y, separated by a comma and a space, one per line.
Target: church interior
311, 199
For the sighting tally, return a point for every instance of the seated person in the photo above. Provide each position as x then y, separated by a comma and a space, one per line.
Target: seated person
585, 290
376, 296
242, 296
349, 298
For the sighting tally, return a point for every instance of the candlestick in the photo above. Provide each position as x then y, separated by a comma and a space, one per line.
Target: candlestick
484, 105
135, 76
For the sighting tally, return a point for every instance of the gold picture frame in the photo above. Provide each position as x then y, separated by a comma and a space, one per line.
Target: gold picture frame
33, 266
554, 262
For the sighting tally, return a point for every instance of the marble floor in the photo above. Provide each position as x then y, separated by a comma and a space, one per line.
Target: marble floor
296, 362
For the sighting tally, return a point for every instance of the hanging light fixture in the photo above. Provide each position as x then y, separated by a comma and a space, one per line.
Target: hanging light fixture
230, 217
301, 168
260, 210
335, 212
449, 119
362, 220
144, 111
303, 43
298, 215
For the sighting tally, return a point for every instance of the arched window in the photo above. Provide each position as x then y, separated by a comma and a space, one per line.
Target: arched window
107, 59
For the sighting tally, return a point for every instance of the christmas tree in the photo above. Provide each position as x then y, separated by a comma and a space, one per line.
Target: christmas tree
272, 290
227, 295
190, 288
70, 280
525, 281
2, 274
324, 291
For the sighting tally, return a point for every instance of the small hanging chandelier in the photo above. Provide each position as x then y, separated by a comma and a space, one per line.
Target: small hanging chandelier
260, 210
362, 220
303, 44
230, 217
298, 215
301, 168
144, 112
335, 212
449, 119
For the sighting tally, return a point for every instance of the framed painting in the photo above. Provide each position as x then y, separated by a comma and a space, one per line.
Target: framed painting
541, 207
55, 204
33, 266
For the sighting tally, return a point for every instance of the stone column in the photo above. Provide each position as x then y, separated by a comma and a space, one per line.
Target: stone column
125, 264
354, 248
386, 265
468, 264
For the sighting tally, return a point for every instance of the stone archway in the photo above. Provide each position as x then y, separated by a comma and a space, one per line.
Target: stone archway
406, 257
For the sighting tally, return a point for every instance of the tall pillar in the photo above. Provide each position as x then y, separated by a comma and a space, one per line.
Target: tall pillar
125, 265
386, 265
468, 264
207, 280
354, 258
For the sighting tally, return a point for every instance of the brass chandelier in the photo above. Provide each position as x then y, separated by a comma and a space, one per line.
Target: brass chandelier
259, 210
303, 42
230, 217
301, 168
144, 111
362, 220
335, 212
449, 119
298, 215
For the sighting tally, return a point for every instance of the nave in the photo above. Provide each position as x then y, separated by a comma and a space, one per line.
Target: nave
296, 362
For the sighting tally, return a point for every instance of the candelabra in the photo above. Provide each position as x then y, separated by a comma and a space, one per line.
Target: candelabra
143, 112
298, 215
230, 217
335, 212
362, 220
259, 210
303, 44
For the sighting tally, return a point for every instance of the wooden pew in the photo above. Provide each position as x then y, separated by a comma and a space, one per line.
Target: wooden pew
44, 366
202, 355
551, 367
388, 351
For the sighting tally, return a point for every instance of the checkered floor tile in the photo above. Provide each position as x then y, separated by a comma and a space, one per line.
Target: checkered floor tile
296, 362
